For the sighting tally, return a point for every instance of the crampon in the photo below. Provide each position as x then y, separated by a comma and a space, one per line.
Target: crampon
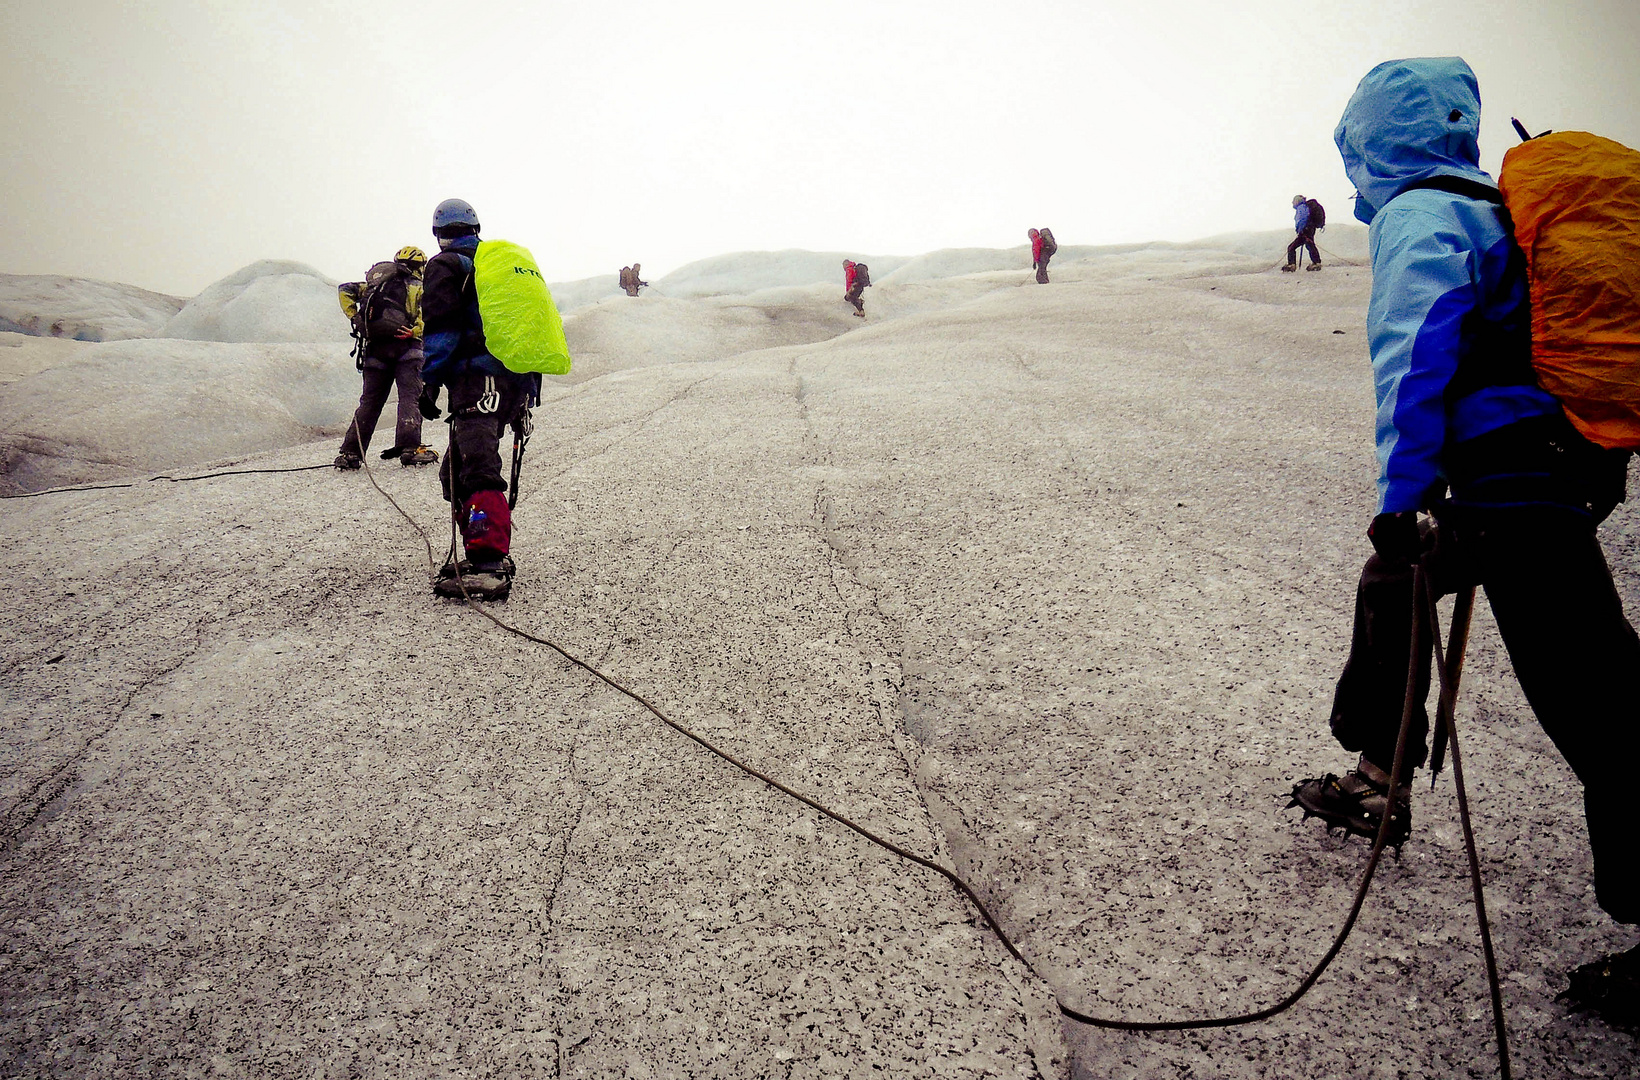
1355, 803
480, 581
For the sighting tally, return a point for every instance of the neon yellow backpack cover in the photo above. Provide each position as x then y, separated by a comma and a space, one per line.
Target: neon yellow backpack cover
522, 326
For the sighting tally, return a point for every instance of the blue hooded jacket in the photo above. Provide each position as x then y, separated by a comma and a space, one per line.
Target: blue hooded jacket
1449, 287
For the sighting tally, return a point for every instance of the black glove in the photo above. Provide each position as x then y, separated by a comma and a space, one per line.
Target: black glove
1396, 537
428, 403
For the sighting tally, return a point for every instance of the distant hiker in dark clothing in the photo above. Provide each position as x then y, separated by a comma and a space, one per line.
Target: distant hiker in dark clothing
385, 310
631, 282
1307, 218
856, 280
484, 398
1042, 249
1460, 409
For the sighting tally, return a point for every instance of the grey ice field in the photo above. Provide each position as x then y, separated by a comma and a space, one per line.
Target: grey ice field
1050, 583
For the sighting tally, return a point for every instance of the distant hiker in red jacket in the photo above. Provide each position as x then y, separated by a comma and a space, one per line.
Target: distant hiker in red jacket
856, 280
1042, 249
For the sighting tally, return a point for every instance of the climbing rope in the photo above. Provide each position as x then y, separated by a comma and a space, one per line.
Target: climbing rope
1425, 616
161, 476
1449, 692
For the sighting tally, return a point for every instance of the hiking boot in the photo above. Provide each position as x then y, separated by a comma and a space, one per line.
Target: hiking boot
1355, 802
420, 455
480, 580
1313, 266
1288, 269
347, 461
1609, 986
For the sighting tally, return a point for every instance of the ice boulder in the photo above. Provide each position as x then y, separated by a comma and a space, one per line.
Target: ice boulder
81, 309
957, 262
752, 271
108, 410
569, 295
268, 301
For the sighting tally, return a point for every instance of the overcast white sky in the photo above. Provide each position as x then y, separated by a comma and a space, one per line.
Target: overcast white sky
165, 143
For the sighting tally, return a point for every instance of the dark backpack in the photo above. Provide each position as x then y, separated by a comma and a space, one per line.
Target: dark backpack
1048, 245
862, 276
1318, 214
382, 300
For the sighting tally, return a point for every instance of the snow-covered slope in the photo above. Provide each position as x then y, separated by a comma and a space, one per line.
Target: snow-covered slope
749, 271
83, 309
570, 295
108, 410
1050, 583
71, 412
271, 300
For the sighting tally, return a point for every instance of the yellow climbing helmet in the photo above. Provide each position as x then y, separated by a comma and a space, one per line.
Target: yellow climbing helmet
412, 256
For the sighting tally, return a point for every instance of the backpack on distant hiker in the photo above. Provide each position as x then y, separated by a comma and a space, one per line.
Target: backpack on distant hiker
1049, 248
522, 327
862, 276
1318, 215
1572, 202
381, 306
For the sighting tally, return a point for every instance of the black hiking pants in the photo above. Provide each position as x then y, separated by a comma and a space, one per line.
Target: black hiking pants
1572, 649
480, 407
1306, 240
1042, 269
380, 376
855, 296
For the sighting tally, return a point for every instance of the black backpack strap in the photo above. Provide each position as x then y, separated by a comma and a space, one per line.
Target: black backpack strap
1456, 185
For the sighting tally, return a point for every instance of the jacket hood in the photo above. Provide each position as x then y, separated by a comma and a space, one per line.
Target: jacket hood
1409, 120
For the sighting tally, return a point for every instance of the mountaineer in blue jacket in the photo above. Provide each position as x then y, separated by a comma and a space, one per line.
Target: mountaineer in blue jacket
1465, 433
1304, 228
484, 397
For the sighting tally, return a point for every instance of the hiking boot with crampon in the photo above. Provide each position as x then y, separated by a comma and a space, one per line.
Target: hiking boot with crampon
1313, 266
418, 455
478, 580
347, 461
1289, 268
1609, 986
1355, 802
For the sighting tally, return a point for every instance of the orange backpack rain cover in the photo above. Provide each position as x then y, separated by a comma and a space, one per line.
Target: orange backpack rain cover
1575, 201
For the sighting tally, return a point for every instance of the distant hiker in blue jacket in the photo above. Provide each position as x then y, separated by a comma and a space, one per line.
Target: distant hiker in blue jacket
1304, 224
1464, 432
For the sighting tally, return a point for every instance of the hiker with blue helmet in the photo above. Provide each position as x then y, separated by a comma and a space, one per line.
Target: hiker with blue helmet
1465, 432
484, 398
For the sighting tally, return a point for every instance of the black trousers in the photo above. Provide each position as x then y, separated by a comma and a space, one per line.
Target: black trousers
380, 378
1042, 269
854, 296
1575, 654
1305, 239
480, 407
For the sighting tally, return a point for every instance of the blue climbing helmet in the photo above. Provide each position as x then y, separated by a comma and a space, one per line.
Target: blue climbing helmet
454, 212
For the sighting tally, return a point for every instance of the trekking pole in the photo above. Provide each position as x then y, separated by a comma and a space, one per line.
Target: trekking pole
517, 460
522, 428
1463, 606
1449, 692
